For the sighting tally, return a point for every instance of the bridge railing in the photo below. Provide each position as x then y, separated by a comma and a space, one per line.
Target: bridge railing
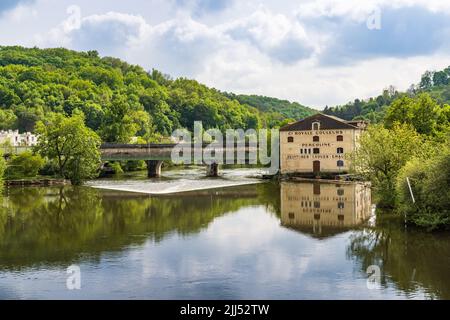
161, 145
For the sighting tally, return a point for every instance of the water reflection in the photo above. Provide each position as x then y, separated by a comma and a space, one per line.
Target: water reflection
411, 260
324, 209
223, 243
55, 225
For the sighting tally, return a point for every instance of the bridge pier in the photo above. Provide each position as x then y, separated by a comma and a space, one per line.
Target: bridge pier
154, 168
212, 170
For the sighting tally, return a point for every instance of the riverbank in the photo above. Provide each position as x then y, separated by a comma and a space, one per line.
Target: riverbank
37, 182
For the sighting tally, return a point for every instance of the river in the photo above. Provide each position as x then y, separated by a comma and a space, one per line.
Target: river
252, 241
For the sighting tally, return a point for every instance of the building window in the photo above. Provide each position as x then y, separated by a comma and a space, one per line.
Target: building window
340, 192
290, 139
316, 139
340, 150
316, 150
301, 151
340, 217
340, 205
316, 126
340, 138
309, 151
291, 215
340, 163
317, 216
317, 204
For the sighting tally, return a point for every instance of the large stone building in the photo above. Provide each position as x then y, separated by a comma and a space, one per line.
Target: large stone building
319, 143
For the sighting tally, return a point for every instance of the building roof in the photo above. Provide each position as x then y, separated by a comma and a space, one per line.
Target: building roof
326, 122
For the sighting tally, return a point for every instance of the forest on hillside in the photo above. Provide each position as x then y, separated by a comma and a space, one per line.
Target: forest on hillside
118, 100
435, 83
276, 110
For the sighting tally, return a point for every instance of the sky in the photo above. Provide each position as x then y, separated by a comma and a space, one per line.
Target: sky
318, 53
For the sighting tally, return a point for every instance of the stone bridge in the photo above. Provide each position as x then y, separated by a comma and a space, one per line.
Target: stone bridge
155, 154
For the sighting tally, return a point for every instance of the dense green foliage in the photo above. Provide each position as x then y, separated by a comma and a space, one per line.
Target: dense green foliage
372, 109
381, 155
119, 100
411, 143
435, 83
70, 145
424, 114
24, 165
430, 184
276, 111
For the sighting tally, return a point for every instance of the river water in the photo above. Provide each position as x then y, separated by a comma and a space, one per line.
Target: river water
251, 241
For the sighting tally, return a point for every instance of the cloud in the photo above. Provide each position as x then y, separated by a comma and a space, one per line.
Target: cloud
111, 32
276, 35
407, 28
269, 49
6, 5
201, 7
404, 32
358, 10
182, 46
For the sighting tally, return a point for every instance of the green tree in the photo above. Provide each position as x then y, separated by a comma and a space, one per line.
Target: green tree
401, 110
8, 119
73, 146
440, 78
427, 80
118, 124
422, 112
382, 153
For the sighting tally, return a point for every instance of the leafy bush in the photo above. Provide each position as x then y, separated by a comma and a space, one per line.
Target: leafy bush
430, 184
24, 165
116, 167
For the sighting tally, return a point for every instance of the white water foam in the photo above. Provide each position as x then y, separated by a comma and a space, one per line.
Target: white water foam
180, 180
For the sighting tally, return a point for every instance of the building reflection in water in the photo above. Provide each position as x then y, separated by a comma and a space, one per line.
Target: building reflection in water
324, 209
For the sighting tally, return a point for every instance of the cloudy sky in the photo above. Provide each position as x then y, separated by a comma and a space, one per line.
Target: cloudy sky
322, 52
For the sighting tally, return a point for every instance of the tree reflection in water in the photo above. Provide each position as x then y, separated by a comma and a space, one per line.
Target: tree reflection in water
60, 226
411, 260
56, 225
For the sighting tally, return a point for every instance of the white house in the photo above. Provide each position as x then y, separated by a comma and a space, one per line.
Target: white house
16, 139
